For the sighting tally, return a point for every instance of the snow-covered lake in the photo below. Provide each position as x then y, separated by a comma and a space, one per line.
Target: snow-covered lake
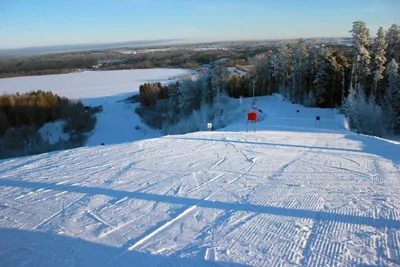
89, 84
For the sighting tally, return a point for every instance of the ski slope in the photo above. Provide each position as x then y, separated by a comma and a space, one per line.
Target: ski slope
296, 192
291, 194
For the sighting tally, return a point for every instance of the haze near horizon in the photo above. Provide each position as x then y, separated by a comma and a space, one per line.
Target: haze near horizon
56, 22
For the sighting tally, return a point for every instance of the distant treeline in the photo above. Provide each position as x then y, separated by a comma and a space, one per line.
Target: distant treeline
363, 81
110, 60
21, 115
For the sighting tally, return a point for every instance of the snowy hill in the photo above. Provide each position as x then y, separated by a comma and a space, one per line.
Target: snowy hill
288, 195
295, 192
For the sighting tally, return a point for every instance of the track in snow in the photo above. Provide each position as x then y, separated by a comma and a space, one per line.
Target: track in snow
264, 199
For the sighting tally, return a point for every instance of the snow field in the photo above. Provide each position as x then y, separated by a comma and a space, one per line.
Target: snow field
294, 193
263, 199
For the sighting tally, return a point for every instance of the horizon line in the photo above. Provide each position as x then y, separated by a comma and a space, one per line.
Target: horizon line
190, 41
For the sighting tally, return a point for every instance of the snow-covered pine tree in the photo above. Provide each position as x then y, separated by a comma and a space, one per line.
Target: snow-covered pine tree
300, 67
354, 107
188, 97
207, 86
311, 66
321, 79
378, 59
393, 42
392, 97
372, 118
261, 73
277, 61
362, 58
288, 67
333, 75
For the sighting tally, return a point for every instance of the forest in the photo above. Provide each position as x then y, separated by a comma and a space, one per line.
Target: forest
112, 60
21, 115
362, 81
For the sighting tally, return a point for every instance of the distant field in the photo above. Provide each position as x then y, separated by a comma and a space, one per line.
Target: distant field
89, 84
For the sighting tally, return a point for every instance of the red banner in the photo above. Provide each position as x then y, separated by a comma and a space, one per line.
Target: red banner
252, 116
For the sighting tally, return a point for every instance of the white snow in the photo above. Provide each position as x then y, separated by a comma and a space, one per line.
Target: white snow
89, 84
117, 122
292, 193
234, 71
53, 132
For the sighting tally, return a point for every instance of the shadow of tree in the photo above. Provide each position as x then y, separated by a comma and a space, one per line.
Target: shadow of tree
29, 248
268, 144
380, 147
247, 207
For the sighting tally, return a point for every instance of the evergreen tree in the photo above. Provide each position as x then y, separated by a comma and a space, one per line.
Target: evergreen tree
321, 79
392, 97
288, 54
362, 58
393, 43
378, 58
300, 67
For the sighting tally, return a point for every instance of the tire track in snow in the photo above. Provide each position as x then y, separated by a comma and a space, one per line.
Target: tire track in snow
245, 172
44, 222
150, 208
160, 229
206, 183
116, 176
219, 162
98, 218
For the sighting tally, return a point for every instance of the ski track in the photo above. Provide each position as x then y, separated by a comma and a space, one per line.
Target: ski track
309, 201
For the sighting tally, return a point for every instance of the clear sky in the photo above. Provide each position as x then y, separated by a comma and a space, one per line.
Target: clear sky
25, 23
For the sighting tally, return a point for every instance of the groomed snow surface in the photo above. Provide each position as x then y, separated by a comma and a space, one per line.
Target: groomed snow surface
294, 193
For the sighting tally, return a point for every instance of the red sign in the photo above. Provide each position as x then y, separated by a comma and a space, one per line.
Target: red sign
252, 116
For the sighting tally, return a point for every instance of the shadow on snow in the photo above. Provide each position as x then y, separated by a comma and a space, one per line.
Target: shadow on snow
247, 207
371, 145
30, 248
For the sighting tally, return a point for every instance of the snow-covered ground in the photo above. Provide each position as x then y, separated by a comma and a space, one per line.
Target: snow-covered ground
293, 193
117, 122
89, 84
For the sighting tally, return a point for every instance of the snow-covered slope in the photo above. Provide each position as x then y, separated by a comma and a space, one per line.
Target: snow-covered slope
296, 192
284, 196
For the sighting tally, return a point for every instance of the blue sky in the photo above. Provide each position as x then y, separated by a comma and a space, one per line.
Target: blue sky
25, 23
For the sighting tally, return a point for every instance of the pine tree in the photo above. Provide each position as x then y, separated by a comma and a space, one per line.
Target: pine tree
261, 73
321, 79
300, 67
392, 97
393, 43
288, 68
186, 97
277, 62
378, 58
354, 108
362, 58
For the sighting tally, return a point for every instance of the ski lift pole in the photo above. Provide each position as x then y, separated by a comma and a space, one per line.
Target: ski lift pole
247, 124
255, 122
